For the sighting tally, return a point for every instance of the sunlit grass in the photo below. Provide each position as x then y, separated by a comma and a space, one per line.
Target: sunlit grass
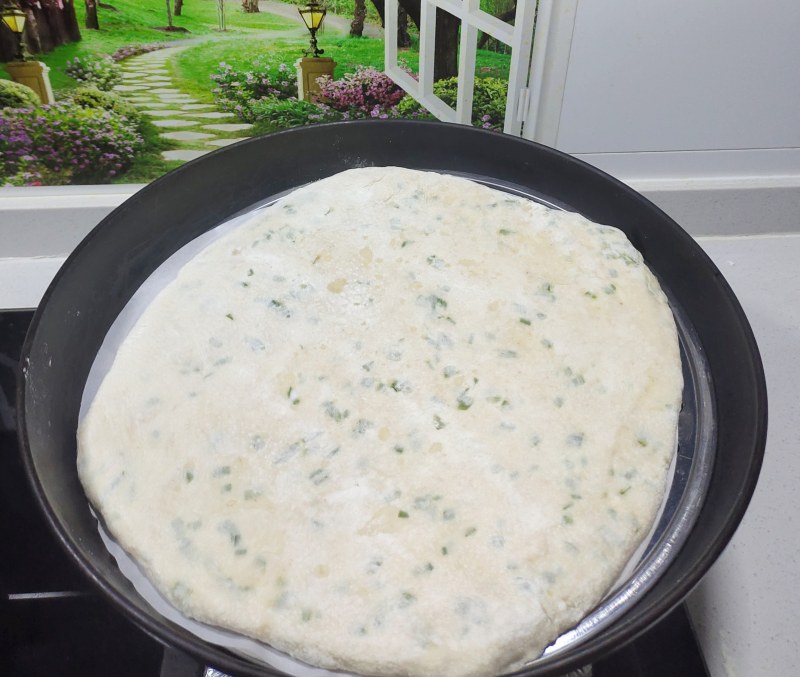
136, 22
194, 66
248, 39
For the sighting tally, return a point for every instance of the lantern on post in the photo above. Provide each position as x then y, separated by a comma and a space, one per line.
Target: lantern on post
312, 66
313, 15
33, 74
14, 18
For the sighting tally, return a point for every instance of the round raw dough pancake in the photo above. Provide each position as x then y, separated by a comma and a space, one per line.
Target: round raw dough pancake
398, 423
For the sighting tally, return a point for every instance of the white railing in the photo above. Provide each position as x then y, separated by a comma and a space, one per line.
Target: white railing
529, 81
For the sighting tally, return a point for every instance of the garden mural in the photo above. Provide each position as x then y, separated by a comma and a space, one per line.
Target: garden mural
141, 86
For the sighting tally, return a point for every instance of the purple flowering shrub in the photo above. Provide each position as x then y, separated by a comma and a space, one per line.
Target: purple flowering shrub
135, 50
64, 144
237, 91
101, 71
365, 93
268, 93
17, 165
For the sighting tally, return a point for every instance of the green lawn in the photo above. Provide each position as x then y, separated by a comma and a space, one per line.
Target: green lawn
248, 38
135, 22
195, 65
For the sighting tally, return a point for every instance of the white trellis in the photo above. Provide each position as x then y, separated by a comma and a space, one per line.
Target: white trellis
537, 72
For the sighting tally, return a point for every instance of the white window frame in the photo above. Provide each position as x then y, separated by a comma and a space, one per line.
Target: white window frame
547, 75
519, 37
537, 73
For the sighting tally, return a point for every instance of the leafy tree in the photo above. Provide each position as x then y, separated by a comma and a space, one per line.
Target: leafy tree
178, 7
250, 6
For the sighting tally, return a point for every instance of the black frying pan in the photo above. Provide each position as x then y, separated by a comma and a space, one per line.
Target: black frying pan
105, 270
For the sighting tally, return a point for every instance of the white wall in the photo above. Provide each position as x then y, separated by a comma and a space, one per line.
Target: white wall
695, 103
715, 83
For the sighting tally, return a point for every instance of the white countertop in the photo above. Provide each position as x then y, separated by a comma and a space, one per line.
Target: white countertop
747, 609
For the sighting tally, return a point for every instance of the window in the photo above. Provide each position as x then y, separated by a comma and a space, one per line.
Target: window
538, 67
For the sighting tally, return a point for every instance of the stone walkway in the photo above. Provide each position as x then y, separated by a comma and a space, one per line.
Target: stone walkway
196, 127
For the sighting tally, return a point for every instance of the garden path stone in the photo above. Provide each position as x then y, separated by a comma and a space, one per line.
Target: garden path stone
229, 126
162, 113
225, 142
186, 136
148, 83
175, 123
184, 155
210, 116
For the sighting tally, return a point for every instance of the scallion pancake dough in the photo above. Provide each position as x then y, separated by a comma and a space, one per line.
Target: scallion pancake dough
398, 423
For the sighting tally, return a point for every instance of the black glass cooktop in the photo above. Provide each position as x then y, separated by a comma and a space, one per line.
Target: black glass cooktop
53, 623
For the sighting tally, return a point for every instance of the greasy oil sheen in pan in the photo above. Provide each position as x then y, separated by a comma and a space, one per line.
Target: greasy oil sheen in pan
691, 468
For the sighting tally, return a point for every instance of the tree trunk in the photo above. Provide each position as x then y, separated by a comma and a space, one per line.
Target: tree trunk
250, 6
55, 20
178, 7
49, 23
31, 34
359, 14
381, 9
91, 15
445, 58
43, 33
403, 38
73, 29
169, 16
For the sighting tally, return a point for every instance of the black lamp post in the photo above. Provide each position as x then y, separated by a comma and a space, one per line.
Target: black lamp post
14, 18
313, 14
